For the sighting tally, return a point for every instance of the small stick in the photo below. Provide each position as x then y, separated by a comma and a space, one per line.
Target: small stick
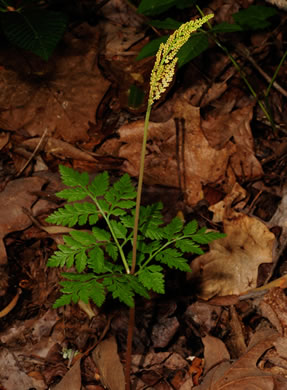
33, 154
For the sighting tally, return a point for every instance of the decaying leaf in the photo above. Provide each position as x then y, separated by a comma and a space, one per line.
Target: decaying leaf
244, 373
231, 265
16, 196
63, 97
179, 145
108, 362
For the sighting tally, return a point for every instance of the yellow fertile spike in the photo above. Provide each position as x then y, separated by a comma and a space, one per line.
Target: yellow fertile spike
165, 62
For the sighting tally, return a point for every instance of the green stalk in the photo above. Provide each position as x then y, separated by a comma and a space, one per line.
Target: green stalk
275, 74
111, 230
139, 191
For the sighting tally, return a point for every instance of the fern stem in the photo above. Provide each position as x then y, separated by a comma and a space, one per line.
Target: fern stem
139, 190
159, 250
111, 230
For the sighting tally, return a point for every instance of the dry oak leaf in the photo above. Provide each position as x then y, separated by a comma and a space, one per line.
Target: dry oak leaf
64, 97
231, 265
202, 164
244, 374
16, 195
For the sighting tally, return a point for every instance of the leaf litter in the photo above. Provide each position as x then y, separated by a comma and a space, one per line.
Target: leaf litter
211, 156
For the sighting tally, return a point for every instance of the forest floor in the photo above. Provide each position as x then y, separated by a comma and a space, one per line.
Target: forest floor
213, 155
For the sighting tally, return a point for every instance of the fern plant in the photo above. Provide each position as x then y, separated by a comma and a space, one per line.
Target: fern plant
127, 246
100, 258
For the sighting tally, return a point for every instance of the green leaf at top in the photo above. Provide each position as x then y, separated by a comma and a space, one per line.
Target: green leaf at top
225, 27
156, 7
136, 96
73, 178
35, 30
100, 184
167, 24
151, 48
197, 44
152, 7
254, 17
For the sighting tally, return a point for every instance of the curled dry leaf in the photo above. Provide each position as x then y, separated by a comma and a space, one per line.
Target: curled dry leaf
59, 148
231, 265
244, 373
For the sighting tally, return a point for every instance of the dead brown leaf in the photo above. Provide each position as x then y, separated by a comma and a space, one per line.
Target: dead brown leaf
59, 148
231, 265
108, 362
72, 379
244, 373
16, 196
64, 97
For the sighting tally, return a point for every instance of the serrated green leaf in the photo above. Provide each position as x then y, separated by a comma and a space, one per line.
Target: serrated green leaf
136, 286
71, 214
127, 221
119, 229
72, 194
197, 44
104, 205
73, 178
58, 259
73, 244
188, 246
93, 219
97, 293
173, 259
254, 17
208, 237
151, 48
150, 247
100, 184
150, 219
112, 250
117, 212
173, 228
62, 301
190, 228
152, 278
81, 261
126, 204
101, 234
96, 260
78, 277
85, 238
120, 289
167, 24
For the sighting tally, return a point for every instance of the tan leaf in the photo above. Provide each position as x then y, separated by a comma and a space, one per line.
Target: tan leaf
231, 265
16, 196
